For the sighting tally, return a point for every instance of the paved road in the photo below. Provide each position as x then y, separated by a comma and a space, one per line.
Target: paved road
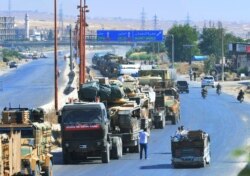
226, 120
30, 85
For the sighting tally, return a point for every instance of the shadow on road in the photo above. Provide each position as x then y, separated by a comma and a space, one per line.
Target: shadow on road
157, 166
162, 153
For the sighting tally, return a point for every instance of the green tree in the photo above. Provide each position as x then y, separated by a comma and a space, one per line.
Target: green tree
185, 42
211, 41
209, 63
50, 35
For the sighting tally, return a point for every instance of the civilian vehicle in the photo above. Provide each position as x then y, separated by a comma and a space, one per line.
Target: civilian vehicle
191, 148
182, 86
208, 81
13, 65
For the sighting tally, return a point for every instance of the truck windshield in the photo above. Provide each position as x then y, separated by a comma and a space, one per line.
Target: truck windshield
82, 116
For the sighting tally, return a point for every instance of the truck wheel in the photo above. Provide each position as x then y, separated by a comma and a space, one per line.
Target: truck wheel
135, 149
49, 169
204, 163
66, 158
36, 172
156, 125
115, 148
162, 124
106, 155
174, 121
120, 147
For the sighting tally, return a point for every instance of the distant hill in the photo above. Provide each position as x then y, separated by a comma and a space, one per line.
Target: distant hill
44, 19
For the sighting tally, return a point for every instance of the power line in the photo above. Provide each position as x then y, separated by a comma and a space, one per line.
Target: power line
155, 20
143, 19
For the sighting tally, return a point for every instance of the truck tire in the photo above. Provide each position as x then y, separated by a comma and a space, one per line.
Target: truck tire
162, 124
37, 170
66, 158
174, 120
176, 165
156, 125
120, 147
106, 155
135, 149
49, 169
116, 148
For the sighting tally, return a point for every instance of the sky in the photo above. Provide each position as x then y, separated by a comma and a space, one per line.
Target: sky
198, 10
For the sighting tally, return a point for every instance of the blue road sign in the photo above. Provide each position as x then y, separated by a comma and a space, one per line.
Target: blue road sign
130, 35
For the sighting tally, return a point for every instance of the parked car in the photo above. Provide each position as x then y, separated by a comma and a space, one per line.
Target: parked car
208, 81
13, 65
182, 86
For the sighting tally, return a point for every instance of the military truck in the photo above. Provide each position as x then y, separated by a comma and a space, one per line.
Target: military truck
86, 132
35, 141
191, 148
10, 153
171, 105
126, 122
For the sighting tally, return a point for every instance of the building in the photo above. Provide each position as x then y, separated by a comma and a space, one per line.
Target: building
7, 30
240, 54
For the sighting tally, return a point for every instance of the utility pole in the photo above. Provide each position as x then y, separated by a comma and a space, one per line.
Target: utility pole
172, 50
55, 55
71, 53
81, 45
222, 54
84, 40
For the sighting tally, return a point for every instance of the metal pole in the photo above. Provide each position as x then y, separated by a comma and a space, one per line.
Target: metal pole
172, 50
222, 55
71, 53
55, 55
81, 45
84, 43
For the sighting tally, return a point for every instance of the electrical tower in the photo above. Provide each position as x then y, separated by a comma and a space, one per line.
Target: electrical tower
143, 19
188, 19
61, 26
155, 20
9, 8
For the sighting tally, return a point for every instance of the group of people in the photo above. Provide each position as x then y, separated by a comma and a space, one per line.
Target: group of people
192, 75
218, 88
180, 133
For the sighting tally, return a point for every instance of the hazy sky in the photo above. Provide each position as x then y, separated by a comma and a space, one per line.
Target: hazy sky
230, 10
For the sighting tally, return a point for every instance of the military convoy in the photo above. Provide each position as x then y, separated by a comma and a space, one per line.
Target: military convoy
32, 141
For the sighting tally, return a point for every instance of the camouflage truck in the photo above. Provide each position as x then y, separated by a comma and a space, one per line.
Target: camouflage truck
86, 133
10, 153
191, 148
170, 104
126, 123
35, 141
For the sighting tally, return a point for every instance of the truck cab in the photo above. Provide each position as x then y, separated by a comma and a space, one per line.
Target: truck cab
86, 132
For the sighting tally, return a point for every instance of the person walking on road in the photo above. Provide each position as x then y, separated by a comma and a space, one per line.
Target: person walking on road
143, 137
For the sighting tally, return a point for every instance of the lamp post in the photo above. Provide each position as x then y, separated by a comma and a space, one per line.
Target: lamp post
172, 36
222, 55
84, 39
55, 55
81, 45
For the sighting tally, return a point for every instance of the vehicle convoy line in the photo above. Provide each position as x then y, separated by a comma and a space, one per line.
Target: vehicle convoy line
215, 115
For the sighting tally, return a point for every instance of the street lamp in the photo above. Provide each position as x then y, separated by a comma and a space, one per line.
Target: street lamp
55, 55
85, 10
82, 42
172, 36
189, 46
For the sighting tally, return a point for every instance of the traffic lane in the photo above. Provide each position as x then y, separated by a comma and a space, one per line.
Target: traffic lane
31, 85
225, 120
196, 114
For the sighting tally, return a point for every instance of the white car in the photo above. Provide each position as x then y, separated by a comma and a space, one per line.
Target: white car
207, 81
